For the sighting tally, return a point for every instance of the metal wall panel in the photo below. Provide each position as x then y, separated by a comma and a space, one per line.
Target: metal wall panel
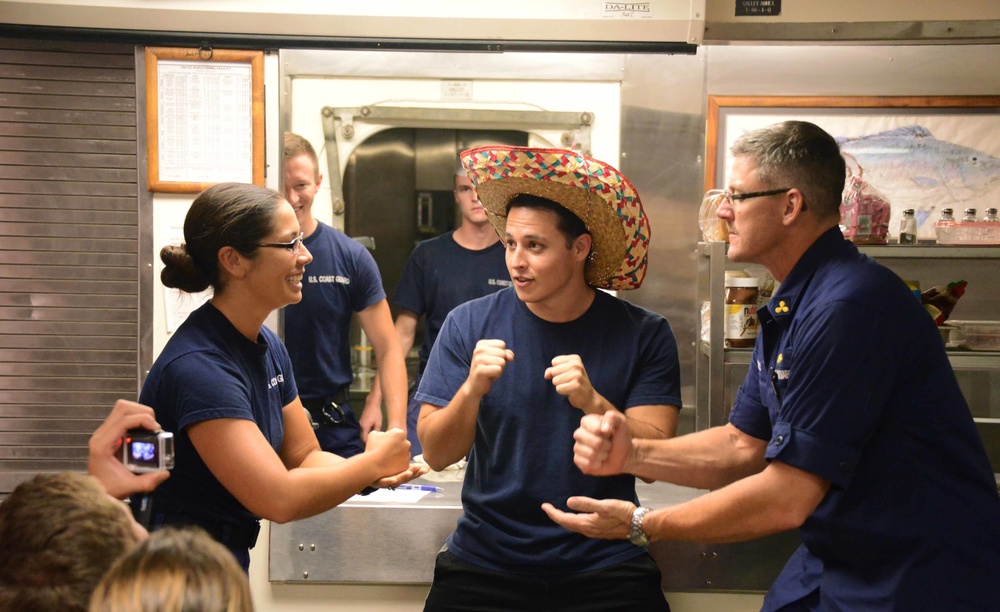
663, 134
69, 249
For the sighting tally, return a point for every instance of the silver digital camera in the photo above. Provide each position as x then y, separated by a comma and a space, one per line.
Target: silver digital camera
148, 451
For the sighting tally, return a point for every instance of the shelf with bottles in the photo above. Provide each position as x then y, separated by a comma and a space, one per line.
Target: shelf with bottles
944, 260
712, 343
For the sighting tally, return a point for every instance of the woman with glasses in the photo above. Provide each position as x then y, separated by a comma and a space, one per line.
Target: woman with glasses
244, 446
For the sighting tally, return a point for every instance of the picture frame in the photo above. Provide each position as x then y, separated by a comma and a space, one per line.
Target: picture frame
204, 118
928, 152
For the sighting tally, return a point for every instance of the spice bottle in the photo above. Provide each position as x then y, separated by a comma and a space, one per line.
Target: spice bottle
947, 216
970, 216
991, 216
908, 228
741, 312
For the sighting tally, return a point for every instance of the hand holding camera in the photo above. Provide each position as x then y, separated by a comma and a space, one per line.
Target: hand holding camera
105, 457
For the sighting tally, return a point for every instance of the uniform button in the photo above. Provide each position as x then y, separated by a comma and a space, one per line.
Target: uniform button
779, 440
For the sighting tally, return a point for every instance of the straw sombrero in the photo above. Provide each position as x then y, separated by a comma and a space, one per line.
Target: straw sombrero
594, 191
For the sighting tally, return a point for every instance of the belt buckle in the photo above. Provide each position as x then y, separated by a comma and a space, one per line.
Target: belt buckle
332, 414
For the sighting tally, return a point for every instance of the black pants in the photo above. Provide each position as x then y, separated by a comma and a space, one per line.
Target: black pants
462, 587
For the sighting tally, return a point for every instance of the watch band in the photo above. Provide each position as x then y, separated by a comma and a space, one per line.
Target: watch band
635, 533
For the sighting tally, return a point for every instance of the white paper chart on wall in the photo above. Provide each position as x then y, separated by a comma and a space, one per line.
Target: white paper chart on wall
205, 121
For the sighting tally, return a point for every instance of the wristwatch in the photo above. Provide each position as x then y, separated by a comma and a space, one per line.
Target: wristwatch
635, 533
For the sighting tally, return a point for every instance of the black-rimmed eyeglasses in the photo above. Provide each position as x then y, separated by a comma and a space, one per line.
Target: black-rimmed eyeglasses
294, 246
738, 197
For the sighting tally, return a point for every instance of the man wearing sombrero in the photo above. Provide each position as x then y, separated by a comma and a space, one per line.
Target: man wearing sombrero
512, 374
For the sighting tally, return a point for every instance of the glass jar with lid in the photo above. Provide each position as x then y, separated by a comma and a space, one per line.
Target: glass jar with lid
991, 216
970, 216
741, 311
947, 216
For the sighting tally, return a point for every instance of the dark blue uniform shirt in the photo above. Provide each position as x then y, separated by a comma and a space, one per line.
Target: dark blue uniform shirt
341, 279
849, 380
441, 274
523, 450
209, 370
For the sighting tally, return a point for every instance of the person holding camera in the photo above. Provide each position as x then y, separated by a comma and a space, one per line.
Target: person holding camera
223, 384
104, 458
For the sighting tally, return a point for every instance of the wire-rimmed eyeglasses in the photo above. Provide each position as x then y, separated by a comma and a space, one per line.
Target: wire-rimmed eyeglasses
293, 247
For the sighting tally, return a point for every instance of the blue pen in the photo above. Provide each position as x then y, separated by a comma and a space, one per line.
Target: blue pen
420, 488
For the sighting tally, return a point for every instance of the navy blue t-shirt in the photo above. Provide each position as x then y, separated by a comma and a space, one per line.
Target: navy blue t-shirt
523, 450
442, 274
849, 380
341, 279
209, 370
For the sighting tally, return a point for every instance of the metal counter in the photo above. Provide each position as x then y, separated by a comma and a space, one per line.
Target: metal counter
390, 543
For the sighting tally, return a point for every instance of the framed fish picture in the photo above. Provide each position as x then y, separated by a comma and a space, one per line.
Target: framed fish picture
921, 152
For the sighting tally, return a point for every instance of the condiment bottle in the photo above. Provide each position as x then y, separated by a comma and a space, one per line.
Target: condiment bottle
940, 301
741, 312
947, 216
908, 228
991, 216
970, 216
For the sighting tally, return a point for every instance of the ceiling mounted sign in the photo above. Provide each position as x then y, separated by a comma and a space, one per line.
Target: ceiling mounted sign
758, 8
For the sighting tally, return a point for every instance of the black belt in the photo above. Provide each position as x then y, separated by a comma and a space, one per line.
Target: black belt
327, 410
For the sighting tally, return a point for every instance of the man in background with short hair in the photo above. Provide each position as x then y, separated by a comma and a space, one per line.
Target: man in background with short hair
342, 279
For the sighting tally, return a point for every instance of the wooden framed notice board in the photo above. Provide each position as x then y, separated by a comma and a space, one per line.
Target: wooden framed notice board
204, 118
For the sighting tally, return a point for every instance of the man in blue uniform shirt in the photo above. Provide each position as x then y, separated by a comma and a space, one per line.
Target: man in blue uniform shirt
849, 426
512, 373
341, 280
442, 273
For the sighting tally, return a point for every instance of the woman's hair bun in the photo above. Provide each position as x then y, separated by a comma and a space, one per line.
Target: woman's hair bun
180, 271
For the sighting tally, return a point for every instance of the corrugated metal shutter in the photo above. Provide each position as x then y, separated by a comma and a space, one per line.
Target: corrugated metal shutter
69, 243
